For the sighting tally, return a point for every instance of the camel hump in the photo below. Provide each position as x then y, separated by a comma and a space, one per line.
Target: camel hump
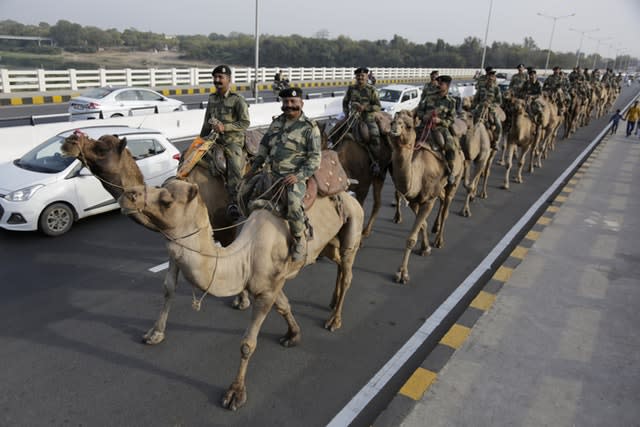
459, 128
330, 176
500, 113
252, 140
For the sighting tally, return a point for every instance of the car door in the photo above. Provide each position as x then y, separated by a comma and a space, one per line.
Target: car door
128, 102
147, 152
91, 196
153, 100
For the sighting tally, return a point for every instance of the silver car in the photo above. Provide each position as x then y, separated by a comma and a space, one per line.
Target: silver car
107, 102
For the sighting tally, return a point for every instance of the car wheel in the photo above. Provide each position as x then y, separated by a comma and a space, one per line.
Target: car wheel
56, 219
116, 115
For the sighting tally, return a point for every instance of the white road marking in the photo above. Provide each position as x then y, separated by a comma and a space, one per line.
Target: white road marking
380, 379
159, 267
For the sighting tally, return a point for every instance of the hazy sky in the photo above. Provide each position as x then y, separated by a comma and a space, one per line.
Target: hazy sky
418, 20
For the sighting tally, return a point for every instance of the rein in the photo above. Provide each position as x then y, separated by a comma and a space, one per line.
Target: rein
83, 160
343, 127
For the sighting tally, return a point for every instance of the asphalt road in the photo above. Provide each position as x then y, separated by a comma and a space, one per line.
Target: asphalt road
73, 309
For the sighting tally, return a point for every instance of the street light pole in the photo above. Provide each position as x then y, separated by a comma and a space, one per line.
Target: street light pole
593, 67
582, 32
553, 29
255, 80
486, 33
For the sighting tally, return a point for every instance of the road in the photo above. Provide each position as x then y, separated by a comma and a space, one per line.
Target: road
73, 310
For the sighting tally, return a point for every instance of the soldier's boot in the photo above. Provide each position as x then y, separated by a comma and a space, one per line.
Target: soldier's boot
298, 248
450, 161
497, 135
374, 154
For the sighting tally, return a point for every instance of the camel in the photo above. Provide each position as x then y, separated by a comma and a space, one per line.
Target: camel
258, 260
476, 145
357, 164
521, 135
420, 176
574, 112
550, 132
116, 169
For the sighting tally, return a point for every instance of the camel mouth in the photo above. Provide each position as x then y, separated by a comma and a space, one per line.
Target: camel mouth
395, 133
128, 211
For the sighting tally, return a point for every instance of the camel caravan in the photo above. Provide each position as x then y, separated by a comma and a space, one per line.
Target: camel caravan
248, 210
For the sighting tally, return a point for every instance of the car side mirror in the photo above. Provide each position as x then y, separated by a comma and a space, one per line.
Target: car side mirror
405, 98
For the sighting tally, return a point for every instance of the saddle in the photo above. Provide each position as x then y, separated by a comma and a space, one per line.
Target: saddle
252, 140
195, 155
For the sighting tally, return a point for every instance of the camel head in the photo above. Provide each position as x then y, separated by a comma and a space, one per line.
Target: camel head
403, 130
102, 155
172, 206
519, 106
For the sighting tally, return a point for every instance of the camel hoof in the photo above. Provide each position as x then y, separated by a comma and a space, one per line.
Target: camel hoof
518, 180
290, 340
366, 233
397, 219
235, 397
439, 243
402, 277
153, 337
425, 251
465, 213
484, 195
505, 186
241, 302
333, 323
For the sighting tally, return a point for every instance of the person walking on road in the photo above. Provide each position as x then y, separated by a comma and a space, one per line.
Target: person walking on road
632, 116
615, 119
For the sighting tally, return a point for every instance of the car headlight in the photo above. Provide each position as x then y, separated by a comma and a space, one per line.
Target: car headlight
23, 194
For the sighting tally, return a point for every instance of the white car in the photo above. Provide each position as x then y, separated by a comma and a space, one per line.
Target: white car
394, 98
107, 102
45, 190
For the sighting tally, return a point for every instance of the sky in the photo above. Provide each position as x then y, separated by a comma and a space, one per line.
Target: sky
617, 21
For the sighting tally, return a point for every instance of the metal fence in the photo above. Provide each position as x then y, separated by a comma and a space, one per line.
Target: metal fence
71, 79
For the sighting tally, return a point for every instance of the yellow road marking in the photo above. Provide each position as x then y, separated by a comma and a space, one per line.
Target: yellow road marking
456, 336
418, 383
16, 101
533, 235
561, 199
56, 98
568, 189
519, 252
483, 301
544, 220
503, 274
553, 209
38, 99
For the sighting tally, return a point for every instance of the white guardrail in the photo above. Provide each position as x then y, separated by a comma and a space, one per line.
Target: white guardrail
71, 79
16, 141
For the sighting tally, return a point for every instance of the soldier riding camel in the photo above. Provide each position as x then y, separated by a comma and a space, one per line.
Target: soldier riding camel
484, 104
362, 98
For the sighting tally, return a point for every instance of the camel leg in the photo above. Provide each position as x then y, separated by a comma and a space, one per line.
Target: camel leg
507, 175
397, 217
293, 335
236, 395
155, 335
472, 185
485, 175
377, 201
343, 283
521, 162
444, 213
422, 212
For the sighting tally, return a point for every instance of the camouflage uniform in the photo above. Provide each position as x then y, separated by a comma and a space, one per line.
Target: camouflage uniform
554, 84
516, 83
231, 109
445, 110
367, 96
430, 91
491, 97
291, 149
534, 90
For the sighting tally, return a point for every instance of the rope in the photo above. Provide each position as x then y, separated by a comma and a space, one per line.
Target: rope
343, 127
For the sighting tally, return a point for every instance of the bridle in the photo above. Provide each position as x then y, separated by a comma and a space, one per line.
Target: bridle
83, 159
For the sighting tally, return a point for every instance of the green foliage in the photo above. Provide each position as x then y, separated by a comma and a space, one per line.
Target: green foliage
292, 51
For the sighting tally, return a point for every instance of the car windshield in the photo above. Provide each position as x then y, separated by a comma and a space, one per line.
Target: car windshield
389, 95
46, 157
98, 92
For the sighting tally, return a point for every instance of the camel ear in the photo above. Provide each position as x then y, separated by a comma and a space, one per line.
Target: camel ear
122, 143
193, 192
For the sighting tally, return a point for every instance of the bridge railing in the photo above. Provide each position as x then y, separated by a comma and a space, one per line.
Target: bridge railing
40, 80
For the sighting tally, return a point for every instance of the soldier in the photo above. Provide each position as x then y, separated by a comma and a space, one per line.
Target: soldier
554, 84
481, 80
488, 95
595, 76
441, 110
291, 149
576, 75
518, 80
363, 98
228, 114
430, 90
532, 89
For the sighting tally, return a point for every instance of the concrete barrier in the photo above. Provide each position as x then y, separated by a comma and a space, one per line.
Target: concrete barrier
15, 141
